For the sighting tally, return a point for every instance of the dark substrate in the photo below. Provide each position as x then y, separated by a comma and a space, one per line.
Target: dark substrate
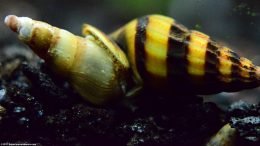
41, 108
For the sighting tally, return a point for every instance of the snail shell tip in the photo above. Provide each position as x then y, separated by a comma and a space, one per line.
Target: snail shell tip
21, 25
12, 22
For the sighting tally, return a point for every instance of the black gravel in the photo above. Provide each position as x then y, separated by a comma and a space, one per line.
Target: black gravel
246, 119
42, 108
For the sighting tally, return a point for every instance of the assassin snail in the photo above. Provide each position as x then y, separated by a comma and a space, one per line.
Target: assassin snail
166, 56
160, 54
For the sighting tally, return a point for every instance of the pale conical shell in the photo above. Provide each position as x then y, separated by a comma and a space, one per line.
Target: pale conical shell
94, 65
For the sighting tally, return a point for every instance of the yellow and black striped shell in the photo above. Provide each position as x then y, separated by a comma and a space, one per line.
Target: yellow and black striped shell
164, 54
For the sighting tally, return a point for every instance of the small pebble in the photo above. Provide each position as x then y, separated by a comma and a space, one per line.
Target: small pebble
2, 110
2, 94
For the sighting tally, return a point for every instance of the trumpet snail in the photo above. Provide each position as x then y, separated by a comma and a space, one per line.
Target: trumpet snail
162, 55
94, 65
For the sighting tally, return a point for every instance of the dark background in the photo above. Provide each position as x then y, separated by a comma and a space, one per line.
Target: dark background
235, 23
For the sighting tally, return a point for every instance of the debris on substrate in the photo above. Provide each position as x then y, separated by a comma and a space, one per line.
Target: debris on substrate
245, 118
38, 107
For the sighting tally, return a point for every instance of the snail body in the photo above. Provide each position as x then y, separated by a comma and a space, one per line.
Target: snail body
161, 54
93, 65
167, 56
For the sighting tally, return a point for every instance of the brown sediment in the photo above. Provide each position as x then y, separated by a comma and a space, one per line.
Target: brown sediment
12, 22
